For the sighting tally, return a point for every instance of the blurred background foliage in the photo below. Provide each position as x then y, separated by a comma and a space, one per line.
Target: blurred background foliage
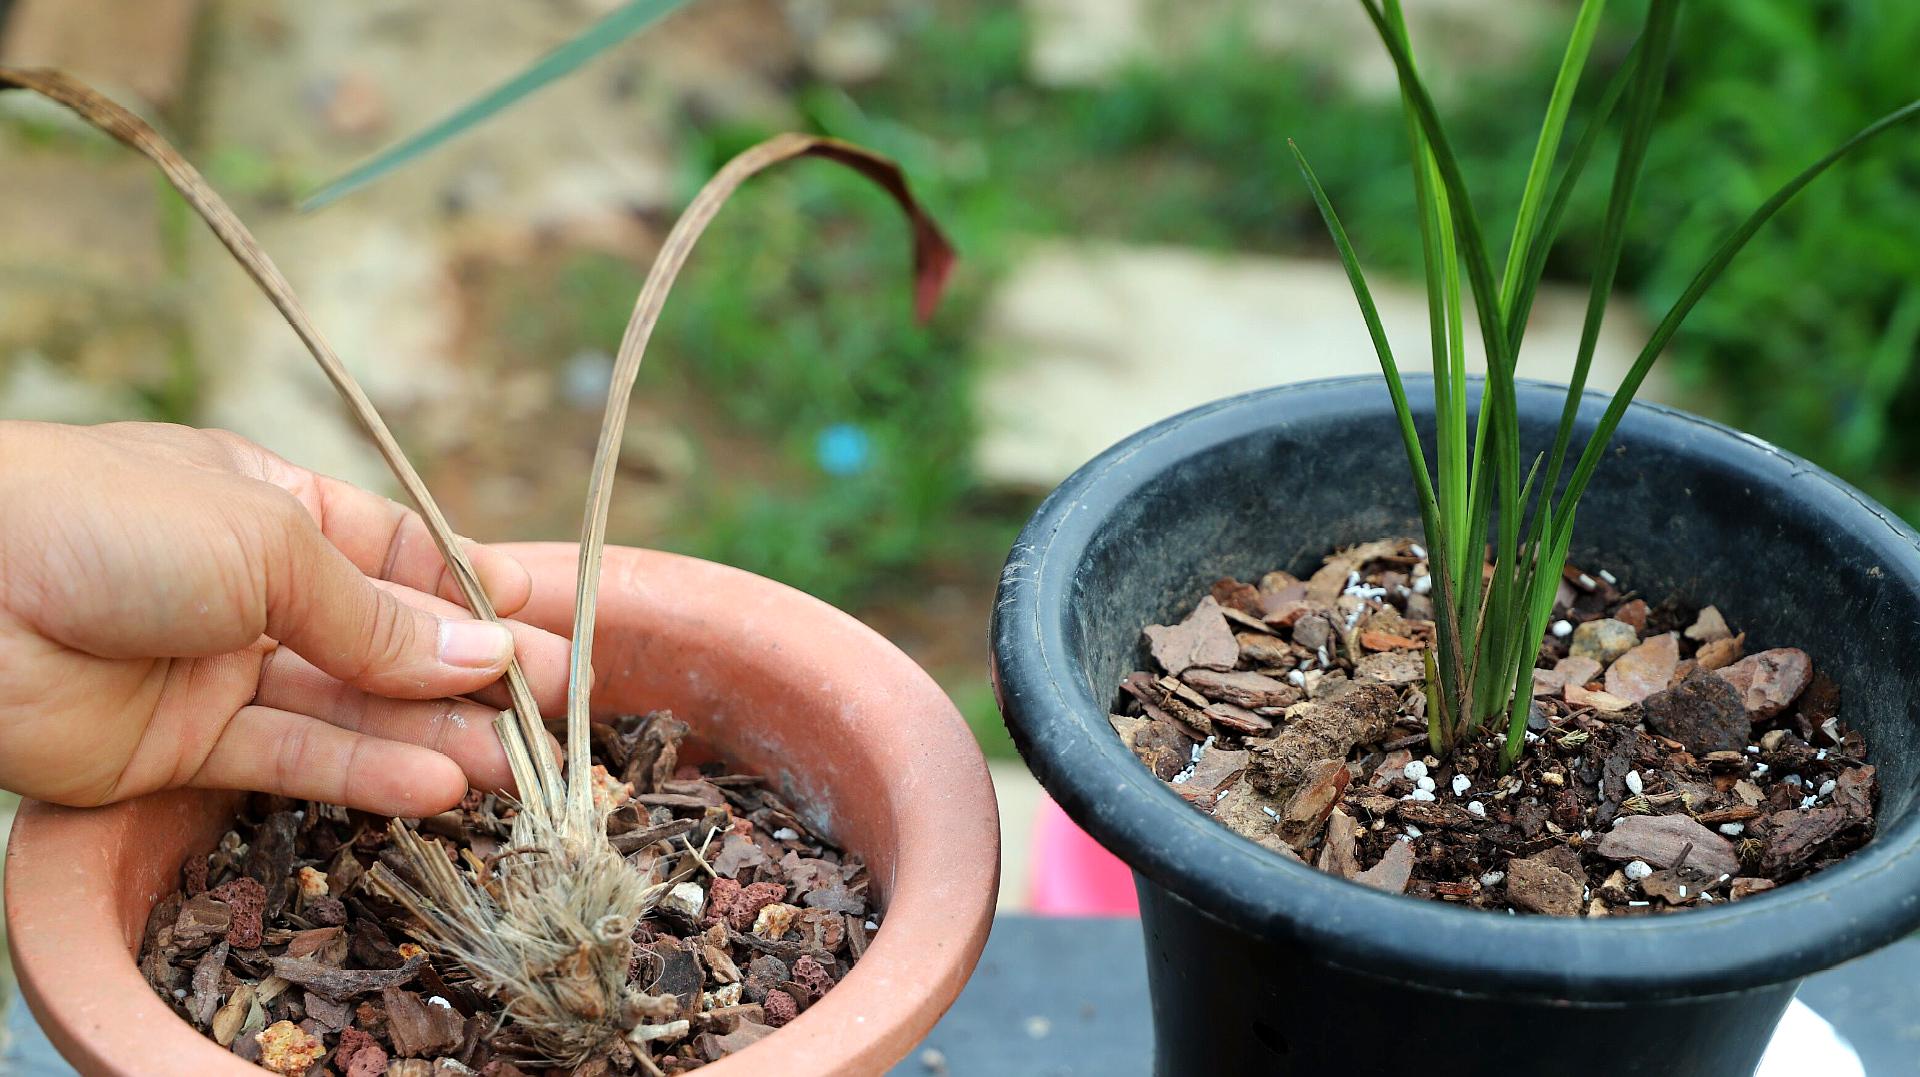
826, 440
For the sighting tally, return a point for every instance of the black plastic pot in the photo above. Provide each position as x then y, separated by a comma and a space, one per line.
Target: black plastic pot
1262, 965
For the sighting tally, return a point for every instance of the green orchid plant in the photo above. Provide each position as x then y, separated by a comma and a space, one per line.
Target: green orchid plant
1489, 625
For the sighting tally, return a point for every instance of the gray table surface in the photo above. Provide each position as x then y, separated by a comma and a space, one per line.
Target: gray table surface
1065, 998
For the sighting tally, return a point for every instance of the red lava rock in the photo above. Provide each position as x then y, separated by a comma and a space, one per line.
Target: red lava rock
248, 900
780, 1008
738, 905
194, 876
721, 898
1770, 680
359, 1055
809, 974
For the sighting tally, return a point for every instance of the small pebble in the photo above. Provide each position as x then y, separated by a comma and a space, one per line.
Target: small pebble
1759, 769
1827, 787
1639, 904
1634, 784
1608, 576
1423, 585
1586, 581
1733, 830
1461, 783
1493, 878
1794, 779
1821, 754
1561, 629
1425, 783
1638, 870
1297, 679
1415, 770
1421, 795
1414, 831
1477, 808
1417, 550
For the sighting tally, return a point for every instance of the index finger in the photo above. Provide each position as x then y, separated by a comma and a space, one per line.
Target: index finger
389, 541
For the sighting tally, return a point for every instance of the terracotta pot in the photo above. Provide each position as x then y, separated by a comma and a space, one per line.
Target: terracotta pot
846, 727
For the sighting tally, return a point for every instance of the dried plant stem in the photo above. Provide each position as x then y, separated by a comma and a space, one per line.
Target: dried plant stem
534, 769
932, 261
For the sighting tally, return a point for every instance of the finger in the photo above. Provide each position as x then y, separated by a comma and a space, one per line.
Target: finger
459, 730
273, 751
319, 604
543, 655
382, 537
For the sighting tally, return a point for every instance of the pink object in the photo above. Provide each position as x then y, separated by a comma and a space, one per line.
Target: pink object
1071, 875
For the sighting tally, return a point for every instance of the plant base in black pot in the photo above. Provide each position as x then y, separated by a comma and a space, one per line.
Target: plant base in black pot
1259, 964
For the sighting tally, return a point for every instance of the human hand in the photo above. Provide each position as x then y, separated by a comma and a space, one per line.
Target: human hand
183, 608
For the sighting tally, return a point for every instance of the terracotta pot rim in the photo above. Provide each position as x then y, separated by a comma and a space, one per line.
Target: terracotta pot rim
80, 979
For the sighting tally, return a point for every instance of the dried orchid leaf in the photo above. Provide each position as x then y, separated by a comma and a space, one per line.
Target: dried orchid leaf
534, 769
933, 260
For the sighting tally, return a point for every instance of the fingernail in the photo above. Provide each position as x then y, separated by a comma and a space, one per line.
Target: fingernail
474, 644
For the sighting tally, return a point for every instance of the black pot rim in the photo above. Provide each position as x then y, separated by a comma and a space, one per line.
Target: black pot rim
1061, 729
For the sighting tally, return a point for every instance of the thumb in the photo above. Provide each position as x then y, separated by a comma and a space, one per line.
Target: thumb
324, 609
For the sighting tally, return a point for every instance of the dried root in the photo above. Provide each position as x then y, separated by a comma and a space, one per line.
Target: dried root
548, 933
